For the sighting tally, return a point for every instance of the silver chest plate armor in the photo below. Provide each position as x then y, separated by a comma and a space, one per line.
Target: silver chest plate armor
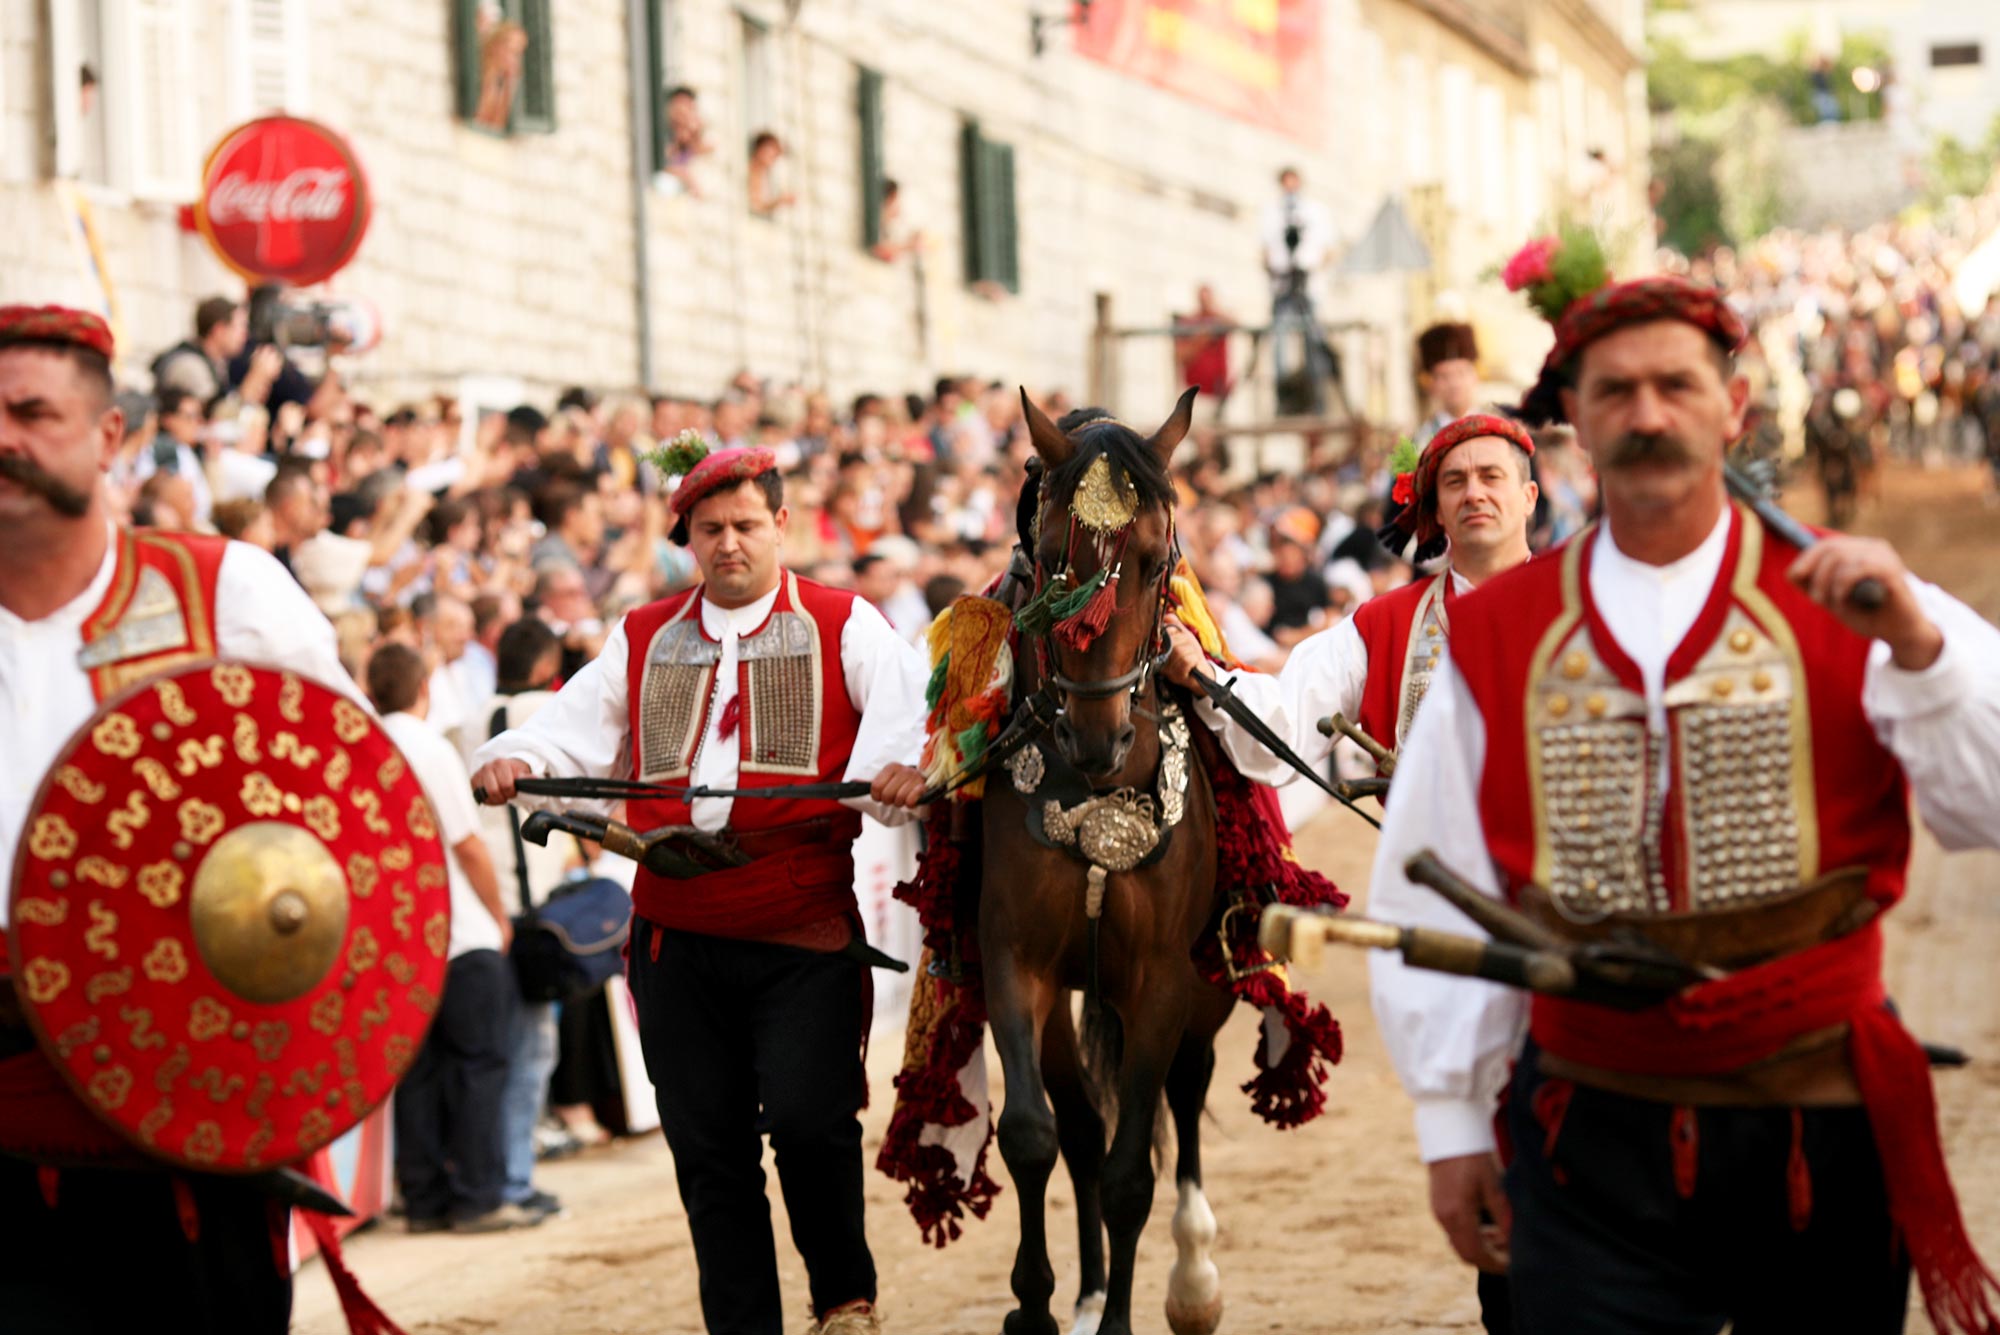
781, 696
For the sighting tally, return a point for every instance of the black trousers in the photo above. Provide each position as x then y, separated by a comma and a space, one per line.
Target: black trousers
1615, 1236
743, 1039
451, 1159
112, 1256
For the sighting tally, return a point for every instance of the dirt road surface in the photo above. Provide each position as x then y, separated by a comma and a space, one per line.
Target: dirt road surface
1323, 1229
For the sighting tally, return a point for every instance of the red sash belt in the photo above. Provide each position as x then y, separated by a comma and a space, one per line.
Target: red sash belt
1720, 1027
772, 896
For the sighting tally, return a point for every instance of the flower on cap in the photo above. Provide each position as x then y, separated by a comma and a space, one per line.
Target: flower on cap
1555, 271
1403, 467
1530, 264
677, 457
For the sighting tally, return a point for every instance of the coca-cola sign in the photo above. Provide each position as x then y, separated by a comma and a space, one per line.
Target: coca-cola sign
283, 200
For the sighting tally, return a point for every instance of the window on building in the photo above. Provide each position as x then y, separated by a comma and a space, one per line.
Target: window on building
874, 177
506, 65
986, 183
1948, 54
269, 65
122, 106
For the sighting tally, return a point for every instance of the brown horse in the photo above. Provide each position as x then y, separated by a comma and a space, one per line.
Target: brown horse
1106, 506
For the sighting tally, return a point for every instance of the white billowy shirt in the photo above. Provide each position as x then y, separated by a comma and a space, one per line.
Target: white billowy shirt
441, 771
1451, 1039
586, 730
261, 616
1326, 674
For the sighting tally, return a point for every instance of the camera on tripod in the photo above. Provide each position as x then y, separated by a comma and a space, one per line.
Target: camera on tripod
276, 317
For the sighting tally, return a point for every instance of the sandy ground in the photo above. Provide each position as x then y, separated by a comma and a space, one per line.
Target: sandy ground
1323, 1229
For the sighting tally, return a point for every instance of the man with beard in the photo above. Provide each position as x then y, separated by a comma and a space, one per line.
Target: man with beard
86, 610
1682, 729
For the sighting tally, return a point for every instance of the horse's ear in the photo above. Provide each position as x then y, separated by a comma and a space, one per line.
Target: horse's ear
1049, 442
1168, 438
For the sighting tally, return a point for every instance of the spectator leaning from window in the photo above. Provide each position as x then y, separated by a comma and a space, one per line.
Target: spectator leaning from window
200, 365
687, 139
450, 1160
765, 201
898, 237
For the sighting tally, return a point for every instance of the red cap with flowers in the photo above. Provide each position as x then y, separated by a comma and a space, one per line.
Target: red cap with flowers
702, 470
1416, 471
1568, 280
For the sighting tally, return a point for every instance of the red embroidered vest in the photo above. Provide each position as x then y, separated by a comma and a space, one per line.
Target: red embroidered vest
798, 724
1774, 780
159, 611
1404, 633
1774, 774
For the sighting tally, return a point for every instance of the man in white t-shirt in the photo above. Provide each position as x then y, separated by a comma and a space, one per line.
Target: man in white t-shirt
530, 656
450, 1159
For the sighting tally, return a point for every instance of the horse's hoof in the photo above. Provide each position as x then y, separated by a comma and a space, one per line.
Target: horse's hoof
1194, 1318
1029, 1323
1089, 1314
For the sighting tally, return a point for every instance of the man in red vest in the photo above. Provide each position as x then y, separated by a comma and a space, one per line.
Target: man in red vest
1470, 490
750, 1019
1470, 494
86, 610
1680, 726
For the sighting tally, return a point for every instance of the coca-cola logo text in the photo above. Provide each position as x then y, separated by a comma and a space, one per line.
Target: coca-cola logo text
283, 200
307, 195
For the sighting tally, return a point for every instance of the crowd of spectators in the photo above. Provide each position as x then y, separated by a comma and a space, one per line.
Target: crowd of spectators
1871, 344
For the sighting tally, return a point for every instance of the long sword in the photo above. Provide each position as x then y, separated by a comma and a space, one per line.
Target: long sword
1244, 717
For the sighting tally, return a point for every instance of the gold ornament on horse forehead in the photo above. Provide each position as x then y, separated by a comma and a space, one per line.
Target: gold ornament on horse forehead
1104, 503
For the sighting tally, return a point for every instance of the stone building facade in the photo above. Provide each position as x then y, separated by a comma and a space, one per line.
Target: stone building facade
519, 255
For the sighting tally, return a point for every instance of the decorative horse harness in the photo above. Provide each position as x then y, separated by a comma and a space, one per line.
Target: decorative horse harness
1125, 829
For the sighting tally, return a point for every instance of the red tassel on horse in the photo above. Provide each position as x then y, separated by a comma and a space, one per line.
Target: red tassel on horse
1082, 630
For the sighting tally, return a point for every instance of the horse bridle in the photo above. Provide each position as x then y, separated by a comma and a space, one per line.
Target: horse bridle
1153, 654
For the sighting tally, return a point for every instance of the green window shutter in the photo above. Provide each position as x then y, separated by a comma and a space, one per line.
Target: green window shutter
970, 162
656, 78
535, 104
465, 41
868, 108
1006, 249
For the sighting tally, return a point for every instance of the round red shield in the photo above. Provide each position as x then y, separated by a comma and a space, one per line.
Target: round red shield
230, 915
283, 200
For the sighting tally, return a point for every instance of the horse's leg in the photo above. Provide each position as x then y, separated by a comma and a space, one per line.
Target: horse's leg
1080, 1130
1018, 1006
1194, 1287
1152, 1032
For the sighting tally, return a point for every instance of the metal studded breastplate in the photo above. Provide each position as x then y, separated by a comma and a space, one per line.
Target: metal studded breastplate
1428, 633
781, 697
1742, 798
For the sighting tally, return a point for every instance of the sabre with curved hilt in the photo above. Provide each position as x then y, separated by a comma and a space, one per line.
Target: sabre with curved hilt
1867, 594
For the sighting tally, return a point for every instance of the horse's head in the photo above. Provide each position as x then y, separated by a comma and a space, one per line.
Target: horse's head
1104, 549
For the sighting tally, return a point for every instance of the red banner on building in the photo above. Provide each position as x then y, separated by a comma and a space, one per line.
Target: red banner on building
1255, 59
